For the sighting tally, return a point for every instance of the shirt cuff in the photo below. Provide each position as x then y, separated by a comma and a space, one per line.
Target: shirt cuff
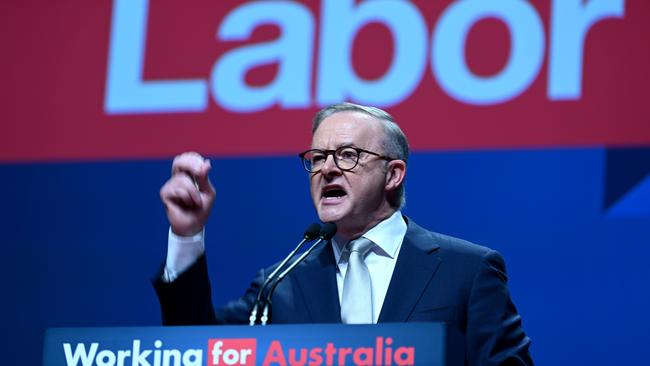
182, 252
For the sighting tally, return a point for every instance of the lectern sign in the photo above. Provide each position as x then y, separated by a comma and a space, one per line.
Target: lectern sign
238, 351
388, 344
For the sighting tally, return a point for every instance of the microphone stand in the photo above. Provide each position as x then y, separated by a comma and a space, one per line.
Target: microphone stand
309, 235
327, 232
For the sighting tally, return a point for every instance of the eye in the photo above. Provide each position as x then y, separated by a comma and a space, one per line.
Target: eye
317, 158
347, 154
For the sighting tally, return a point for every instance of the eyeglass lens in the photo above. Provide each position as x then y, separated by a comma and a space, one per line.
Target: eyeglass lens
345, 158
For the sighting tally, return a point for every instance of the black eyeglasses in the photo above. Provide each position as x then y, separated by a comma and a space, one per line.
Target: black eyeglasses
345, 158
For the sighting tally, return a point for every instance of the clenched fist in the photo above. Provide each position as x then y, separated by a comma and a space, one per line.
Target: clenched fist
188, 195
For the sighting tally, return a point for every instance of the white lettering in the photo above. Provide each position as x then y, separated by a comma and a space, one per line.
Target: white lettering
335, 77
107, 357
171, 354
80, 354
292, 52
231, 356
140, 359
192, 357
341, 21
570, 22
526, 50
244, 353
216, 352
126, 92
122, 355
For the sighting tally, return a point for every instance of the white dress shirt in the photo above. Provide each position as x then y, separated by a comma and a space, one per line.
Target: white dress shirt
183, 251
387, 236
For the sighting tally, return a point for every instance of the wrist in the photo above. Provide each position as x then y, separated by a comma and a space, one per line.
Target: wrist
182, 252
187, 237
186, 232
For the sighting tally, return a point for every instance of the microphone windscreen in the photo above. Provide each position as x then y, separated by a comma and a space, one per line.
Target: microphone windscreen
312, 231
328, 231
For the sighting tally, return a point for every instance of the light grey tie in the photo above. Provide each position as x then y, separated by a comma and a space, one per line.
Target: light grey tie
356, 302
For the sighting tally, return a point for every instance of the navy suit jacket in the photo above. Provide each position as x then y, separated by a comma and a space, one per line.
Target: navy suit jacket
436, 278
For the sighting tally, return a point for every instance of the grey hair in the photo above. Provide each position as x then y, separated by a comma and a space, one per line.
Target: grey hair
395, 144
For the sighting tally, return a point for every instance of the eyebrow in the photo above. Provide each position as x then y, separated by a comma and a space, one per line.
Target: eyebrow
346, 144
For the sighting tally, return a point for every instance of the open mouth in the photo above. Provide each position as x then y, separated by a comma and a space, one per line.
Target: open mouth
333, 192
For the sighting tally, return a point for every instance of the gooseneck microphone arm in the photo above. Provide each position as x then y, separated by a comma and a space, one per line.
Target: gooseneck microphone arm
310, 234
326, 233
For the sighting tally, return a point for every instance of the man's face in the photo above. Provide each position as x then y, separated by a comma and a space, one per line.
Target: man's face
355, 200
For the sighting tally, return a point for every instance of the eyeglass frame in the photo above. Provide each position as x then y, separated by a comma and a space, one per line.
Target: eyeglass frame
327, 153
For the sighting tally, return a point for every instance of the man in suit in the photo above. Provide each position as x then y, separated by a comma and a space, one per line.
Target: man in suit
357, 165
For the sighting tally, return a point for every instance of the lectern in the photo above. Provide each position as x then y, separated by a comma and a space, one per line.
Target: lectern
435, 344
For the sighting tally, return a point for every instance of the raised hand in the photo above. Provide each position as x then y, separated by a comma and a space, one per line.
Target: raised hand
188, 195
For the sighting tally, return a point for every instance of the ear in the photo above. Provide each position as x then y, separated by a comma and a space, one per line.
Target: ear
395, 174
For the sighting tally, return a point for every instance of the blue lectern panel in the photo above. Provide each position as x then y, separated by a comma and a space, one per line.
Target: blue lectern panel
331, 344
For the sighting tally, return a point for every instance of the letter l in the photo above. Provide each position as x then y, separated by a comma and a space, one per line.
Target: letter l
126, 92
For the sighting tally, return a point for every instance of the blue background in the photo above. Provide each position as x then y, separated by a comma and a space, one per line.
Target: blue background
80, 241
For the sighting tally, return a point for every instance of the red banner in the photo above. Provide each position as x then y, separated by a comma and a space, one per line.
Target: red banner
141, 79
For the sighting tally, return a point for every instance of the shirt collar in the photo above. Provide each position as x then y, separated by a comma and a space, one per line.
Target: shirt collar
387, 236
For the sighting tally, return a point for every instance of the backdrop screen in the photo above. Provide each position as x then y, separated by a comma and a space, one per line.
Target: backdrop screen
528, 124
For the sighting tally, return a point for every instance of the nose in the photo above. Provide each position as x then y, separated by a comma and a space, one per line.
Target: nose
329, 167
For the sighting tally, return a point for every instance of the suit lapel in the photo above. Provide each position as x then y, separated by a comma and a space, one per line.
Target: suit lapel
316, 284
416, 265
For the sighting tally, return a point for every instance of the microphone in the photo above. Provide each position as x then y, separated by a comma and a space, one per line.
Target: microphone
326, 233
310, 234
